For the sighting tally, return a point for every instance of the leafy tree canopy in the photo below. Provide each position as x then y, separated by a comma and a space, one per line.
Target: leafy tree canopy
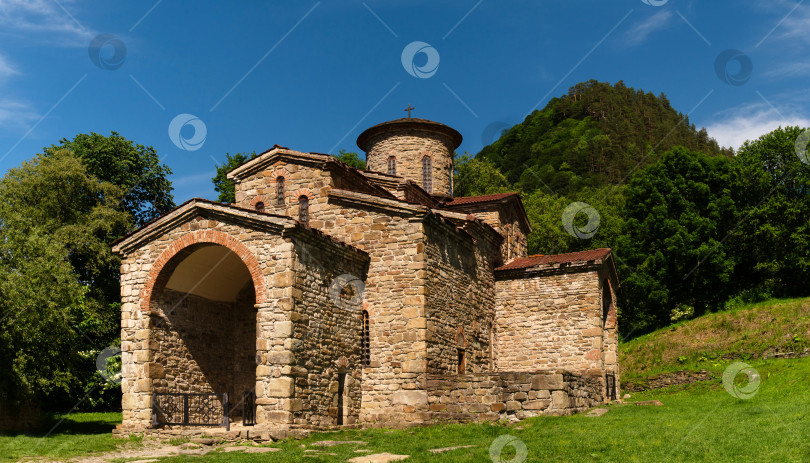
55, 264
133, 167
352, 159
223, 186
595, 135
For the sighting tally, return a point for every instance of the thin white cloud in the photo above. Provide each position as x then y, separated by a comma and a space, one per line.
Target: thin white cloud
797, 27
6, 68
749, 122
16, 114
790, 70
643, 29
46, 21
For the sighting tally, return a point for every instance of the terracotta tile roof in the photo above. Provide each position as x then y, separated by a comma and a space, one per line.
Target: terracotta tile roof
479, 199
540, 259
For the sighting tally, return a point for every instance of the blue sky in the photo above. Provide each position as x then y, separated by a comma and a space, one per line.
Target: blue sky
312, 75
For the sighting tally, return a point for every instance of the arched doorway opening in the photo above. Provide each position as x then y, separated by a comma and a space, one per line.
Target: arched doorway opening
202, 307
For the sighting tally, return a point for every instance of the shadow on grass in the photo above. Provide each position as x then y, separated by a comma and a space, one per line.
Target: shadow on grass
61, 424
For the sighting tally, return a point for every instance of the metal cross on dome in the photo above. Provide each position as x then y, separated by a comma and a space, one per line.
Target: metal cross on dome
409, 109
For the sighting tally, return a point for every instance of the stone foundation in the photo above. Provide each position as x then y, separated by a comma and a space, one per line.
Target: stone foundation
510, 395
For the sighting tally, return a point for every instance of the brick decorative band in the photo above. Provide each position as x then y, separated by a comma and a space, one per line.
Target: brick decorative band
200, 237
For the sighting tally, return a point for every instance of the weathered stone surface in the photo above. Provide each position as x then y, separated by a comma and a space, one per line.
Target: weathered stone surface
427, 330
378, 458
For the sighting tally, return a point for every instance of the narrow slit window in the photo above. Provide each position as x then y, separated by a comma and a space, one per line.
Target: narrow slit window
462, 361
392, 165
427, 174
280, 191
365, 348
303, 209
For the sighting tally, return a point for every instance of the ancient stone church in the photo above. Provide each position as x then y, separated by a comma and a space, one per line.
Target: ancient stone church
330, 296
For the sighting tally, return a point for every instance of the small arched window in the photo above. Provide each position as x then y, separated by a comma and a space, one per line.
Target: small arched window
607, 300
427, 174
392, 165
280, 191
259, 206
303, 209
365, 347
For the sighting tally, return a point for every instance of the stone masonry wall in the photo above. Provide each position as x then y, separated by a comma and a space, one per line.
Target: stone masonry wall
506, 221
409, 146
205, 345
298, 180
460, 302
137, 345
325, 342
394, 299
510, 395
549, 320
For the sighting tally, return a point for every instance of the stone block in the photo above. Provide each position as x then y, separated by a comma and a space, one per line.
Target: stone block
280, 387
513, 405
559, 400
547, 382
410, 398
155, 371
283, 329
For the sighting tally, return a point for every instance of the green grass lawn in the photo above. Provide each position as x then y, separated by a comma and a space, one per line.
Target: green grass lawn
73, 435
698, 423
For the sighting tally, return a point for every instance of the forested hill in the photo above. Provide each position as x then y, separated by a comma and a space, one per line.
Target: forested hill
593, 136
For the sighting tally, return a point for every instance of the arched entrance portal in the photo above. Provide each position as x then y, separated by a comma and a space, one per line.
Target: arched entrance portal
204, 324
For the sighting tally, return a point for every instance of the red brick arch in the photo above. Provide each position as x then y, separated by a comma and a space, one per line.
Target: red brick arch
200, 237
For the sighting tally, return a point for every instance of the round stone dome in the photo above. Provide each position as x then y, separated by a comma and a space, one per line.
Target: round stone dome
417, 149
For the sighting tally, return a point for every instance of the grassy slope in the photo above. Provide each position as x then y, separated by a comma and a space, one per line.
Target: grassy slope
747, 332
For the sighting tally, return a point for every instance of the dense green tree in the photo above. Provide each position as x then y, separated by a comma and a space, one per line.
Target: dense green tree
54, 248
549, 213
352, 159
222, 185
595, 135
773, 238
473, 177
135, 168
677, 212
